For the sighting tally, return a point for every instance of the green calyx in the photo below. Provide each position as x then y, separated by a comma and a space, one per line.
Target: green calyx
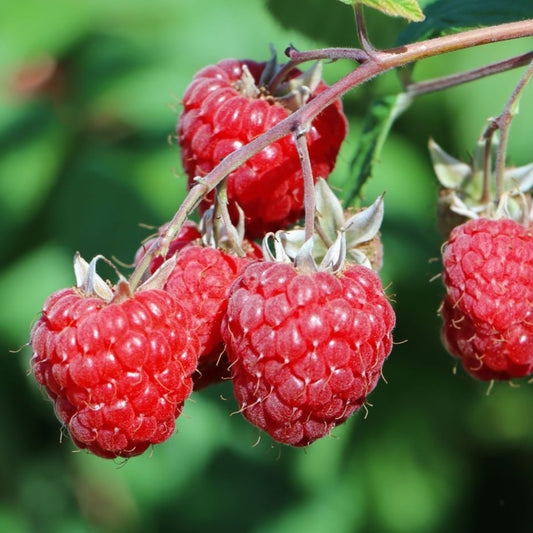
472, 190
340, 237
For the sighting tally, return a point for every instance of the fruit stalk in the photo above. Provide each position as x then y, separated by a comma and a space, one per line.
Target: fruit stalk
503, 123
446, 82
379, 63
487, 170
160, 245
331, 54
361, 29
309, 183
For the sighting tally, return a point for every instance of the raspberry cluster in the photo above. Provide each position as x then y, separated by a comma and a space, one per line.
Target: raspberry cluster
296, 318
302, 333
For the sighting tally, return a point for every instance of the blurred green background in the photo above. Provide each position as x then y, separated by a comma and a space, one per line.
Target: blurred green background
89, 97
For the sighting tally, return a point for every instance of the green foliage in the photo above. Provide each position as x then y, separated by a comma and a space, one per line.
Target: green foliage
408, 9
335, 29
332, 24
378, 122
85, 158
450, 16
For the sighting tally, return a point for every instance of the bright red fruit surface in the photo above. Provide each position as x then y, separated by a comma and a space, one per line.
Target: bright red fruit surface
118, 373
217, 119
488, 309
201, 280
305, 349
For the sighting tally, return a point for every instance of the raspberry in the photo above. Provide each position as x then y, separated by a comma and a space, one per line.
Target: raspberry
488, 308
118, 373
305, 349
218, 118
201, 280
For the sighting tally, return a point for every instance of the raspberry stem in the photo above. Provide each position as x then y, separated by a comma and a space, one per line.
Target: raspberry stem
504, 125
487, 170
296, 58
309, 183
446, 82
160, 245
371, 66
333, 54
361, 29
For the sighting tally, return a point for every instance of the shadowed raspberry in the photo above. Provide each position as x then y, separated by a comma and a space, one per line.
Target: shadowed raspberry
305, 349
118, 373
488, 309
201, 280
217, 119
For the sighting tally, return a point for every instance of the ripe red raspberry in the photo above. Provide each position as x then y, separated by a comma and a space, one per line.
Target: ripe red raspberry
118, 373
217, 119
305, 349
488, 308
201, 280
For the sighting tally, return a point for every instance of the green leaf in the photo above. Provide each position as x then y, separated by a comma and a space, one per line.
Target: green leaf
450, 16
379, 120
408, 9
